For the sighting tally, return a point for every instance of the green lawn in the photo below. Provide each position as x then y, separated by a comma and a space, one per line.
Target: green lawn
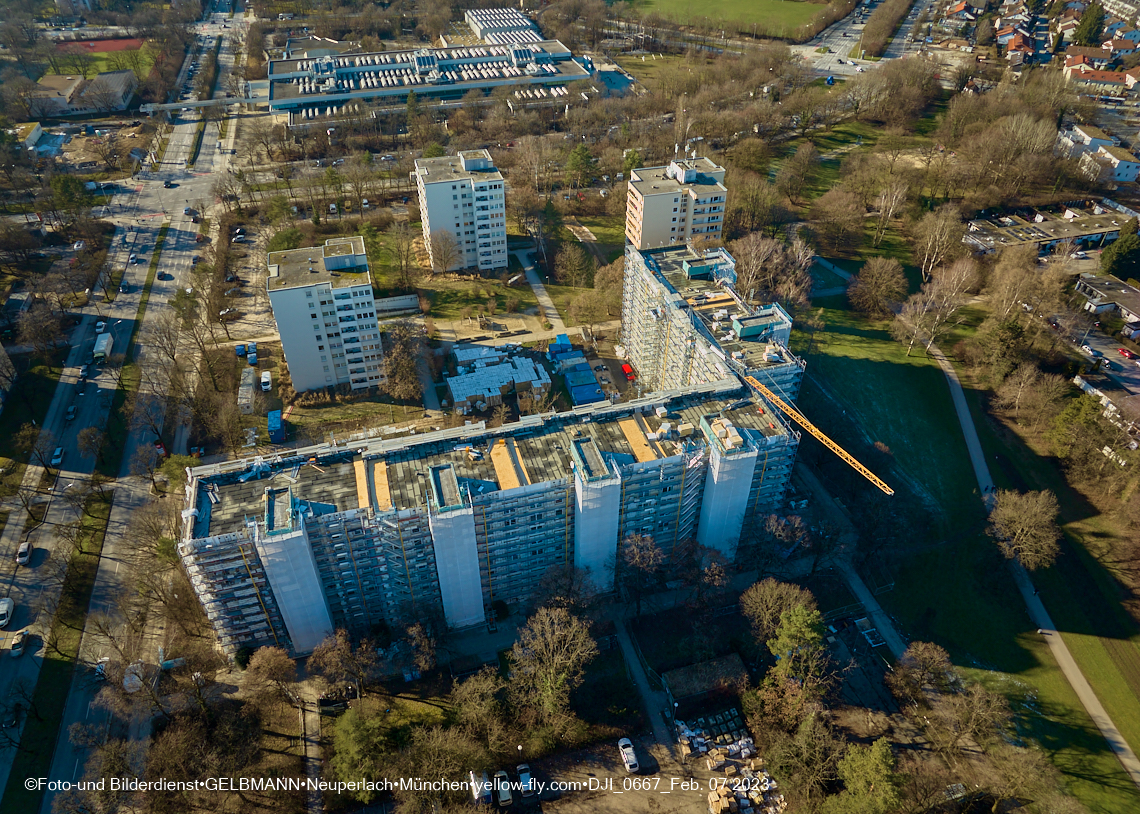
450, 297
773, 13
610, 233
111, 61
41, 730
954, 588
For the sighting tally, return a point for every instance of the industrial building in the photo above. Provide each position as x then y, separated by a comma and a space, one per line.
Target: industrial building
326, 315
502, 26
443, 524
463, 196
683, 324
327, 85
675, 204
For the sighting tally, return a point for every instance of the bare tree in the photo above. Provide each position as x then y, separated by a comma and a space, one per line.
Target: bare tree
891, 199
401, 247
548, 661
446, 251
1024, 526
339, 661
922, 665
878, 286
936, 237
271, 670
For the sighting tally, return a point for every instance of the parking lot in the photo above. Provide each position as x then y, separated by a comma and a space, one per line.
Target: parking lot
595, 780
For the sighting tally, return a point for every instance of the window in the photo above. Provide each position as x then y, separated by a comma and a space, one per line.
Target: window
309, 294
313, 316
320, 347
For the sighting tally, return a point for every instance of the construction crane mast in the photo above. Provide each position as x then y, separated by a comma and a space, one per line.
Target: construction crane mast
814, 431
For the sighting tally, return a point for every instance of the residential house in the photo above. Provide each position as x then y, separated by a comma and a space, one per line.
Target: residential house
1097, 57
1098, 83
1020, 49
1082, 138
1131, 34
27, 134
963, 12
1108, 294
1110, 27
1111, 164
1119, 48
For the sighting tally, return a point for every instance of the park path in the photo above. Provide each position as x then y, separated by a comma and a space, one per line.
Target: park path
586, 238
549, 311
1033, 603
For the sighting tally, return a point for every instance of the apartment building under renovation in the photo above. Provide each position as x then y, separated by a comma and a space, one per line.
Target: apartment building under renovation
683, 323
444, 524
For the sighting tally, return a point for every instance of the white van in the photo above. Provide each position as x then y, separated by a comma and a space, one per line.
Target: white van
266, 380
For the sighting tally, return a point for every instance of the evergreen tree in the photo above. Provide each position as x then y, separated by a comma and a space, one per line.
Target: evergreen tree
1089, 29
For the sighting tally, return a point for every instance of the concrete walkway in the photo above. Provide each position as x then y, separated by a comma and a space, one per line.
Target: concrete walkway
311, 737
1033, 602
544, 301
655, 702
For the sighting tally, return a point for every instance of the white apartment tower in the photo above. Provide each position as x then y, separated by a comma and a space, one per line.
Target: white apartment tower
463, 196
675, 204
326, 315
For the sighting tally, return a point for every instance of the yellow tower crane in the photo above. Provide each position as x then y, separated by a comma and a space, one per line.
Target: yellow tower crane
797, 417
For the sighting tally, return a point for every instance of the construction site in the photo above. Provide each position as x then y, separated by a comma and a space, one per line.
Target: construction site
447, 523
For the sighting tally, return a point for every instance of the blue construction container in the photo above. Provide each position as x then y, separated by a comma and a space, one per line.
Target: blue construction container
276, 427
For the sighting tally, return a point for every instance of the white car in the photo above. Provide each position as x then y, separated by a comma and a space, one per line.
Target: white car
628, 756
503, 788
7, 608
57, 456
18, 642
100, 326
266, 380
24, 553
1091, 351
80, 245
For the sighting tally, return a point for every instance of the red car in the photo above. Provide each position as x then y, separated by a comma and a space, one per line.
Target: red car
628, 371
1127, 354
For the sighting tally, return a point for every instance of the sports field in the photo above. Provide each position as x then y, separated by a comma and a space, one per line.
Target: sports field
105, 55
768, 13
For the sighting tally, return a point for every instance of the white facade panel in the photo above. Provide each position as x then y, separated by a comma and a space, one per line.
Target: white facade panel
597, 506
457, 563
725, 502
292, 573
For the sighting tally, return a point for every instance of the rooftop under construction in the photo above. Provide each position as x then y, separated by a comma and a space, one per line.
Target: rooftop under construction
450, 521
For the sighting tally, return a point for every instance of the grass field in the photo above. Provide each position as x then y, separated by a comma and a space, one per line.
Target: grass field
954, 589
610, 232
774, 13
111, 61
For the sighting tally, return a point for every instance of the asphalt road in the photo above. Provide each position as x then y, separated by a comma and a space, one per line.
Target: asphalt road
139, 210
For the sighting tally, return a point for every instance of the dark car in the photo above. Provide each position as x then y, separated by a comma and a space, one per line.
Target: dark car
167, 185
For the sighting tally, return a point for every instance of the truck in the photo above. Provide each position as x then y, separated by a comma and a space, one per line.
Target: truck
103, 344
276, 427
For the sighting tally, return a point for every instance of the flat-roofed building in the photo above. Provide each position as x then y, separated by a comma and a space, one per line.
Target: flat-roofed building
326, 316
1089, 226
332, 85
683, 323
675, 204
445, 524
462, 199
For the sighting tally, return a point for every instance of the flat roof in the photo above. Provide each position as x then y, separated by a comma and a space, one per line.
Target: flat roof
708, 301
403, 472
657, 181
1040, 227
450, 168
303, 267
1111, 289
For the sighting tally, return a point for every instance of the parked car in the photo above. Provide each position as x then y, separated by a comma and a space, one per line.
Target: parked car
23, 553
503, 788
167, 185
100, 326
124, 288
332, 209
80, 245
1127, 354
57, 456
18, 642
185, 210
628, 371
1090, 350
266, 381
481, 789
364, 204
70, 416
628, 756
526, 782
7, 609
81, 387
12, 716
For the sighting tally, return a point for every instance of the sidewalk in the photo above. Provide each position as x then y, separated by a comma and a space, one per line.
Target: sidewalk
1036, 608
544, 302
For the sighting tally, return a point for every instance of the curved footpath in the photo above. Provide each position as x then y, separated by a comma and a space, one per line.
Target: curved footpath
1033, 602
